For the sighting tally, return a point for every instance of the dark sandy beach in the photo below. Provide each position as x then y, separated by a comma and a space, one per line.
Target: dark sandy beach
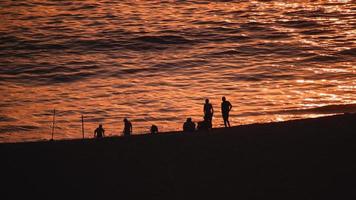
302, 159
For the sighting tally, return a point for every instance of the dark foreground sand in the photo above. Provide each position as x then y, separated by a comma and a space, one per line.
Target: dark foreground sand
303, 159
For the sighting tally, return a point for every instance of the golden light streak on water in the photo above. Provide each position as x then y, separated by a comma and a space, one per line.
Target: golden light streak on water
155, 63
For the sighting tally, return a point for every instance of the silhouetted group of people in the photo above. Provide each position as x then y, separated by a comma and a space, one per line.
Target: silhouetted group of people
188, 126
206, 124
100, 131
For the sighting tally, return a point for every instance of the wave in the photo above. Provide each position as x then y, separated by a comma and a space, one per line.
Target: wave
301, 24
322, 110
92, 45
320, 58
257, 27
7, 119
275, 35
259, 77
165, 39
348, 52
47, 78
15, 129
317, 32
329, 109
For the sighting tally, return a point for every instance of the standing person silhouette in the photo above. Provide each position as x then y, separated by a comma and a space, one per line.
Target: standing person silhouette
208, 111
99, 132
225, 109
127, 127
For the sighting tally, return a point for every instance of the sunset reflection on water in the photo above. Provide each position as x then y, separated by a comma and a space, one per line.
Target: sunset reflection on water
155, 63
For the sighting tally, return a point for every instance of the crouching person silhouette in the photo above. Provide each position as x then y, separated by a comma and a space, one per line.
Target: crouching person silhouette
189, 125
154, 130
205, 125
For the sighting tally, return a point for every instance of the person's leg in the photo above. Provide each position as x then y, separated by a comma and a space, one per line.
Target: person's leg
225, 120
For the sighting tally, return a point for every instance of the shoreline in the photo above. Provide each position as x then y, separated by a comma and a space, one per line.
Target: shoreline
113, 131
218, 129
298, 159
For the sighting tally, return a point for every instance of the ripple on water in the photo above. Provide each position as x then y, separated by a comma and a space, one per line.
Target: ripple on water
348, 52
155, 61
322, 59
164, 39
301, 24
7, 119
17, 129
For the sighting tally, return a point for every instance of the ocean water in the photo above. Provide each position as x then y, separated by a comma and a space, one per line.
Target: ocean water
155, 62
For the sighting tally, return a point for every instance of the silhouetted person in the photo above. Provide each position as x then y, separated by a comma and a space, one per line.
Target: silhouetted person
99, 132
204, 125
225, 109
189, 125
127, 127
208, 110
154, 129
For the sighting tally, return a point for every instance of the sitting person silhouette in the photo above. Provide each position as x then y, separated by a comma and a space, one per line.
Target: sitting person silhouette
99, 132
204, 125
189, 125
154, 129
127, 127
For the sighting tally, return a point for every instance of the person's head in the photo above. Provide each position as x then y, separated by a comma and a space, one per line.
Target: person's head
125, 120
189, 119
206, 100
100, 126
223, 99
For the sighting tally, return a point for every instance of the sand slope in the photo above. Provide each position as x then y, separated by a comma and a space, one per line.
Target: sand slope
302, 159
